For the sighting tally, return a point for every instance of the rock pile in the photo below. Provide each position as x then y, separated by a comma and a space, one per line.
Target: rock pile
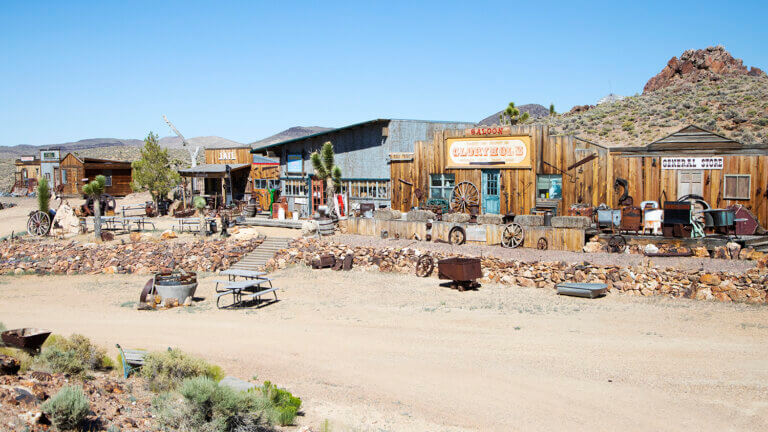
645, 280
23, 256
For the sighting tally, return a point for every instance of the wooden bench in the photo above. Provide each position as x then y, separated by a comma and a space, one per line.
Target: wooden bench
132, 359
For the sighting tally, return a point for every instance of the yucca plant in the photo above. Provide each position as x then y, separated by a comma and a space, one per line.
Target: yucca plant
95, 189
512, 116
327, 170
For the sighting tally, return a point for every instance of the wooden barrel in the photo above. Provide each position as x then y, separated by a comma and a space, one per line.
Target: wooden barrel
325, 226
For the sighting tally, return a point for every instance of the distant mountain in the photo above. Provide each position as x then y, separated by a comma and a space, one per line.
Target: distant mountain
533, 110
204, 142
290, 133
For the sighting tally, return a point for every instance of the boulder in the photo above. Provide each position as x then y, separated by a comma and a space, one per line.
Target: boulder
580, 222
733, 249
168, 234
593, 247
456, 217
9, 365
650, 249
387, 214
721, 252
490, 219
709, 279
747, 253
701, 252
67, 219
419, 216
529, 220
135, 237
309, 228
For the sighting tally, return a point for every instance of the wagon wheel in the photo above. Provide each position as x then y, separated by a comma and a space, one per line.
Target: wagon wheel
464, 197
457, 235
617, 243
542, 244
108, 202
513, 235
424, 266
39, 223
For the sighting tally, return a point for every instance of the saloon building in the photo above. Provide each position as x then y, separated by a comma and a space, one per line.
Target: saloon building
77, 171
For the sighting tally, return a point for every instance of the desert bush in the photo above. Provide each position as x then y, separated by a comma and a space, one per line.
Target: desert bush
74, 355
67, 408
25, 360
165, 370
203, 405
285, 406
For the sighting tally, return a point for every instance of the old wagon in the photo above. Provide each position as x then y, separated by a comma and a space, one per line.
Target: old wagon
463, 272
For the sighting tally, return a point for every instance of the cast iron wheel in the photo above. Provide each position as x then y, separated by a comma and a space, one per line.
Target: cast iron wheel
464, 197
513, 235
457, 235
617, 243
39, 223
542, 244
425, 266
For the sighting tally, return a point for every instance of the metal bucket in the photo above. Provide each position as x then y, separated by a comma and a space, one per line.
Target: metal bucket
176, 285
325, 226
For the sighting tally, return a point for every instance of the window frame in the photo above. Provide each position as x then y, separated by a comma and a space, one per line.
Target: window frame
549, 178
727, 177
445, 188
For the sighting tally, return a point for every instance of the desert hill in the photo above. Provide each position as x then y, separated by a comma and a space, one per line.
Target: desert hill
290, 133
533, 110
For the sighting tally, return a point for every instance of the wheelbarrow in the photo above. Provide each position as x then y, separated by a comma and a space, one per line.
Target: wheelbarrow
26, 339
463, 272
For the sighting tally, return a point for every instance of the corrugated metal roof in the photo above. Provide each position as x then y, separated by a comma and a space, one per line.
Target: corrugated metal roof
258, 159
692, 138
212, 168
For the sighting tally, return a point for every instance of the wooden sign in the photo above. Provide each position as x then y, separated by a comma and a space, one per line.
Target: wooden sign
680, 163
395, 157
491, 152
227, 155
488, 131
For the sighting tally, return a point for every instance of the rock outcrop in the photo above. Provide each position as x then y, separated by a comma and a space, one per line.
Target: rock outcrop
693, 66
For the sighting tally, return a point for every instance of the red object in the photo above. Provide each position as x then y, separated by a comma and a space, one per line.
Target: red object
744, 220
340, 200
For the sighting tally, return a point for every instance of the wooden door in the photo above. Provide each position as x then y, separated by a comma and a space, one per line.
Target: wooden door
490, 191
690, 182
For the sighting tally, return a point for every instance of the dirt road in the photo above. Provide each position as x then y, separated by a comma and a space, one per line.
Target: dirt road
391, 352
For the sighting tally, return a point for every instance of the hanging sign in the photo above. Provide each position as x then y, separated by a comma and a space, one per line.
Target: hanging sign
491, 152
227, 155
294, 163
488, 131
677, 163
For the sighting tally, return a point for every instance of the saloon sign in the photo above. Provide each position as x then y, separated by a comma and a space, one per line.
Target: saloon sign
677, 163
501, 152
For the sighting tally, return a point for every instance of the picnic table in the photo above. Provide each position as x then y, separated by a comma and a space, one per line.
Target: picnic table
243, 291
134, 208
108, 223
140, 221
246, 274
191, 224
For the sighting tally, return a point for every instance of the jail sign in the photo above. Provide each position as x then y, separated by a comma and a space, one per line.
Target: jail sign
676, 163
492, 152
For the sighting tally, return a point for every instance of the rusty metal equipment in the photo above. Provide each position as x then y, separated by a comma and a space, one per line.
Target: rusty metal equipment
608, 220
463, 272
677, 219
617, 243
624, 199
27, 339
719, 221
424, 266
324, 261
512, 236
465, 197
631, 219
542, 244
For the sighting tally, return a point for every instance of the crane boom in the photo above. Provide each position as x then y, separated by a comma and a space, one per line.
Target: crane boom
192, 153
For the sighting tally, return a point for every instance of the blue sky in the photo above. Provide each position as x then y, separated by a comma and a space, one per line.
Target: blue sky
245, 70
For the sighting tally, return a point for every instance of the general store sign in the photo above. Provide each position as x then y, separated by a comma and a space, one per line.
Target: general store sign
496, 152
678, 163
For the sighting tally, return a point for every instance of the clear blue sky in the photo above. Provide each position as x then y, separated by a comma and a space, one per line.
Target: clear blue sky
245, 70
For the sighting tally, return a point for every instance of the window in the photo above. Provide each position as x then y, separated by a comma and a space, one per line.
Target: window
441, 186
737, 186
295, 187
109, 181
549, 186
63, 176
690, 182
294, 163
266, 184
366, 189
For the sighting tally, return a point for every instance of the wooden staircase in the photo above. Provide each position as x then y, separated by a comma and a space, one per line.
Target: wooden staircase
257, 259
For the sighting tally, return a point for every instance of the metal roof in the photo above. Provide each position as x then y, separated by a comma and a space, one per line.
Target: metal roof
365, 123
212, 168
258, 159
692, 138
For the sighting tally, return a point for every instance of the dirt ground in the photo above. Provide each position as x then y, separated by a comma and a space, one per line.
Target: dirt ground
390, 352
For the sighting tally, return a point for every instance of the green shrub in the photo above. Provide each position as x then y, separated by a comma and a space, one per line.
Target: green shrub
74, 355
43, 195
165, 370
67, 408
25, 360
285, 405
203, 405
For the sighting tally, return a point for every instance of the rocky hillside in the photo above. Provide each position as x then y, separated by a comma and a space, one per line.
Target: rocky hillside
534, 110
707, 88
290, 133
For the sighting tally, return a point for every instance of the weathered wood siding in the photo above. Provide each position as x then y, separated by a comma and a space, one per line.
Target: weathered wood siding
648, 182
517, 186
236, 155
270, 172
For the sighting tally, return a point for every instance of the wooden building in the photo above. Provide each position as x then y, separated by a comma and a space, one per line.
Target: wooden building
228, 155
78, 171
26, 174
516, 169
694, 161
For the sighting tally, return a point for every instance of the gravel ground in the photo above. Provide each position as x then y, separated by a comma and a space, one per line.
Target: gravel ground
535, 255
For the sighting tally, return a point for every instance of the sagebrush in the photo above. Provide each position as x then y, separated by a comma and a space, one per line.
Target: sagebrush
74, 355
165, 370
68, 408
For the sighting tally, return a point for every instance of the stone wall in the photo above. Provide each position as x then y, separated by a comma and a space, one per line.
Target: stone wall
749, 287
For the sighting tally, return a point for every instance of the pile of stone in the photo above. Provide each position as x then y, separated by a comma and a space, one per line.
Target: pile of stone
730, 250
646, 280
144, 257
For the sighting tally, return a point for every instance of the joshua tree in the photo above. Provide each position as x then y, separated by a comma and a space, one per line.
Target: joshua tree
199, 203
511, 115
326, 169
552, 110
43, 195
95, 189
